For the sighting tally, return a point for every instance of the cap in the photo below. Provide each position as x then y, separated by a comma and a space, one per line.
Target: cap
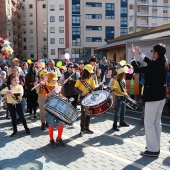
62, 68
52, 76
69, 64
89, 68
43, 72
93, 59
121, 70
122, 62
15, 59
3, 74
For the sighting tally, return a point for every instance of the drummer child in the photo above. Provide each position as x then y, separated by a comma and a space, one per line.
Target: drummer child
83, 91
51, 120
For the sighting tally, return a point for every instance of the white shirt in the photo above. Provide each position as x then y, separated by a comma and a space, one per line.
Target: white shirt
55, 69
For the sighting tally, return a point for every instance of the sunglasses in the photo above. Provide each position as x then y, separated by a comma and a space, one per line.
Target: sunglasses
71, 67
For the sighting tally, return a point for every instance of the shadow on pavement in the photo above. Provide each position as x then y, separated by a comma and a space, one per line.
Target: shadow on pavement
26, 160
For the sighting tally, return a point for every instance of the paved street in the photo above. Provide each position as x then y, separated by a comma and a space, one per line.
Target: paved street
105, 149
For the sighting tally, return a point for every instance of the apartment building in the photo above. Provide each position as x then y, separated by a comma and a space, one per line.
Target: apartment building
11, 25
35, 29
145, 14
78, 27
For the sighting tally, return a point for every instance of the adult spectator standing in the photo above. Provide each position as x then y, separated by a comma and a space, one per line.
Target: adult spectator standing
15, 63
154, 94
68, 80
52, 68
102, 68
104, 60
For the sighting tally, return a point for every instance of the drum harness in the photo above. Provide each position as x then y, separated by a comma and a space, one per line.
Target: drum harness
86, 85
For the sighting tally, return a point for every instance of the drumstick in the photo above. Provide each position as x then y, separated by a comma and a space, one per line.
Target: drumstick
67, 79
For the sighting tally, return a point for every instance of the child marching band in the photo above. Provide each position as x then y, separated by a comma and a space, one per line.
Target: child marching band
51, 120
14, 93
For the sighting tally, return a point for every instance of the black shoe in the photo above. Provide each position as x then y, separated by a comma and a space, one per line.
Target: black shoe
60, 141
81, 133
53, 144
148, 153
87, 130
14, 133
115, 128
43, 126
27, 131
123, 124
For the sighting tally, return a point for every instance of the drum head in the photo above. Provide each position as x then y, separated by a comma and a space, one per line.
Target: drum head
95, 98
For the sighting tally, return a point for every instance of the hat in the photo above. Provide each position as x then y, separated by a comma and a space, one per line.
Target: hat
52, 76
121, 70
122, 62
43, 72
93, 59
69, 64
15, 59
62, 68
89, 68
3, 74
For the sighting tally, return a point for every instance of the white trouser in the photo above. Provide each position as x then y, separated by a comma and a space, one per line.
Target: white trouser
153, 127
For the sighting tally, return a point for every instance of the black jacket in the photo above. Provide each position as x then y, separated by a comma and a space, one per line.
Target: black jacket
155, 74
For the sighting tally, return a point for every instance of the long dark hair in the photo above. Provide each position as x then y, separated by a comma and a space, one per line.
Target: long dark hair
161, 50
31, 71
85, 74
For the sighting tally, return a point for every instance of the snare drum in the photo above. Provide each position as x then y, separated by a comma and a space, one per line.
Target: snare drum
61, 109
97, 103
130, 103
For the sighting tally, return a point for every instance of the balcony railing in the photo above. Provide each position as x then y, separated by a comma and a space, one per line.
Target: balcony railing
142, 13
143, 2
142, 24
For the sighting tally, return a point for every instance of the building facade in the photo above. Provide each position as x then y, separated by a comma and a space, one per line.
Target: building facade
145, 14
11, 25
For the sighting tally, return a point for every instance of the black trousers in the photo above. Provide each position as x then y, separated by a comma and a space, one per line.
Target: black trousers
85, 119
17, 108
32, 98
74, 103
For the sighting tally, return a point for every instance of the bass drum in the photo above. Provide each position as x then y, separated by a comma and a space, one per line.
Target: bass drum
97, 102
61, 109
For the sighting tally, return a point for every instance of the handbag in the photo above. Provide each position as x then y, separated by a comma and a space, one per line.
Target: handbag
129, 101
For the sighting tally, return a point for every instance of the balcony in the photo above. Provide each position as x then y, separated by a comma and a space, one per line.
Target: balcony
15, 30
19, 32
20, 40
142, 13
15, 39
143, 2
14, 20
19, 24
15, 49
143, 24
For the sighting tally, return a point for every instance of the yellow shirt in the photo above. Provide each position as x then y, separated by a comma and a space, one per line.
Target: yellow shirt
117, 86
81, 87
111, 84
15, 89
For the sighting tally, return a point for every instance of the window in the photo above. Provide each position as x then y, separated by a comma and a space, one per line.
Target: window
98, 28
31, 22
123, 31
31, 55
109, 11
154, 0
31, 47
52, 8
61, 40
31, 14
76, 31
31, 39
52, 19
25, 48
61, 29
165, 11
52, 40
61, 18
131, 18
52, 29
44, 39
76, 20
31, 30
109, 33
131, 6
123, 21
131, 29
76, 42
44, 47
30, 6
76, 8
93, 4
61, 7
123, 10
43, 5
52, 51
93, 16
93, 39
